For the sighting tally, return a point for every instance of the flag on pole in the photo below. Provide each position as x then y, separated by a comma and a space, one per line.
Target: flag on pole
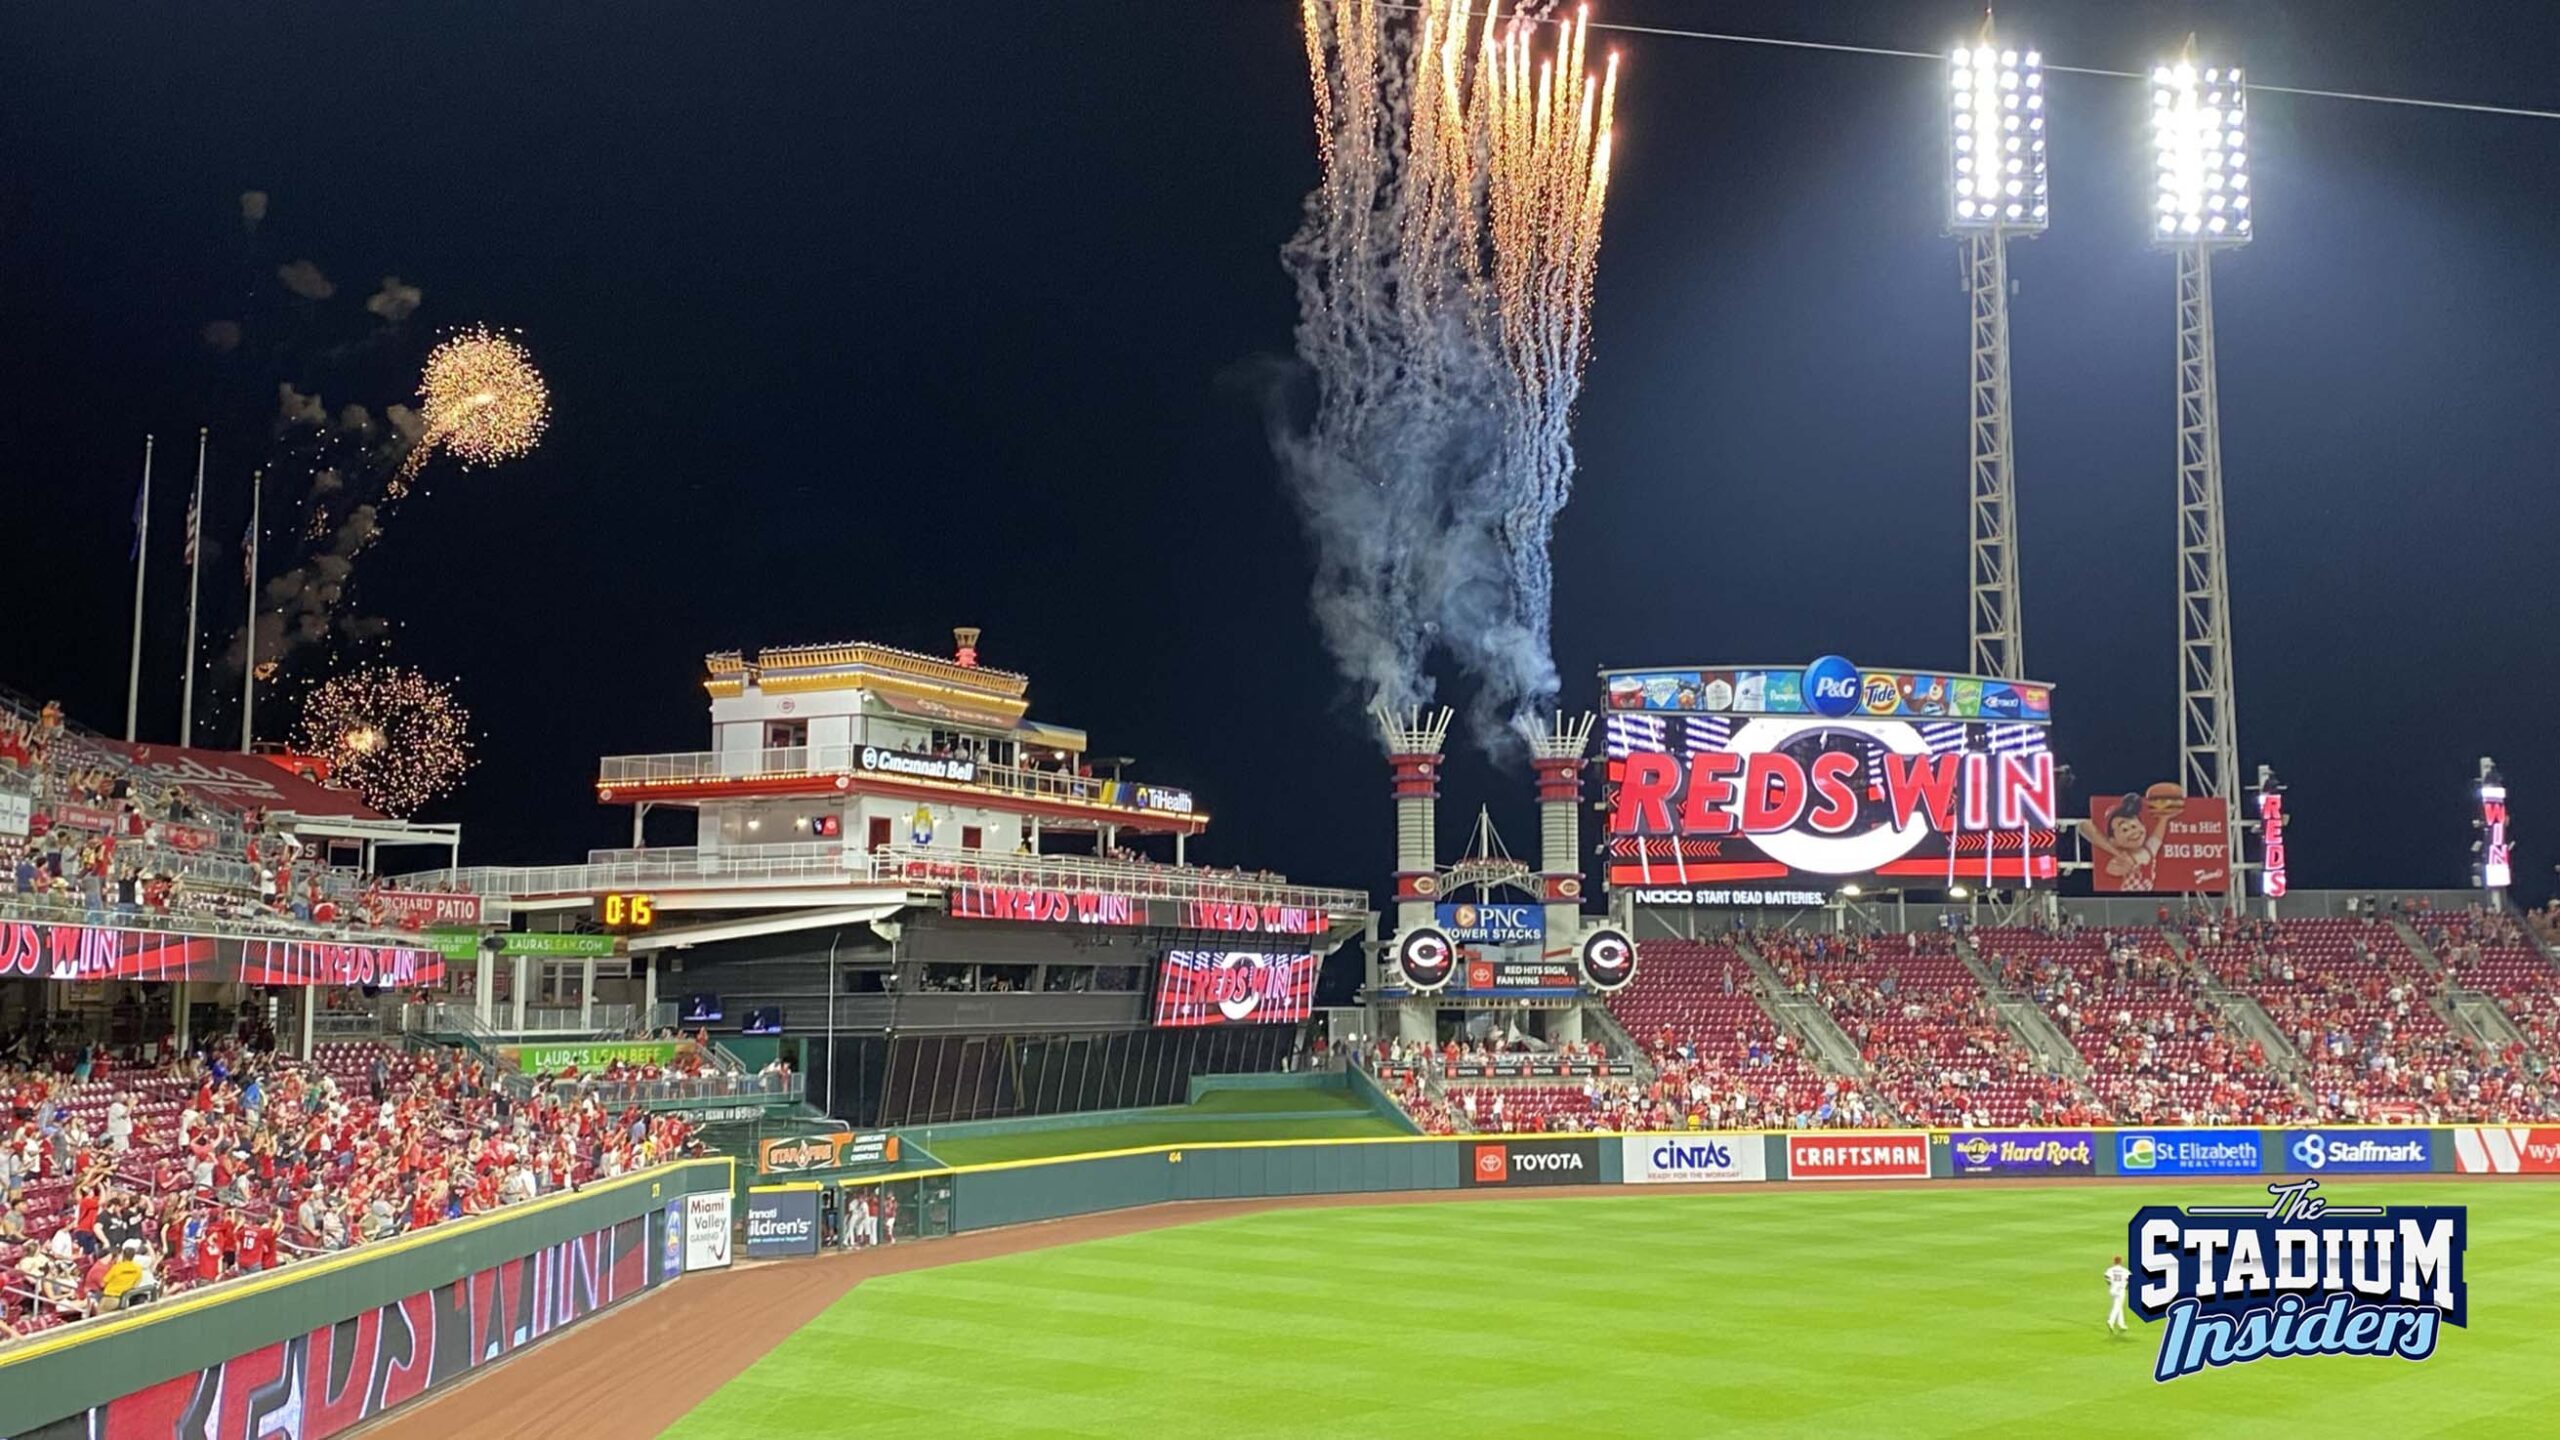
249, 550
141, 507
195, 523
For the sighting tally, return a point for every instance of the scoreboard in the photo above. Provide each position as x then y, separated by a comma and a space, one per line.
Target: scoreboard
1727, 780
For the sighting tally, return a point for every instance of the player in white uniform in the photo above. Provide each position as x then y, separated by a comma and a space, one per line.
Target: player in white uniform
2117, 1278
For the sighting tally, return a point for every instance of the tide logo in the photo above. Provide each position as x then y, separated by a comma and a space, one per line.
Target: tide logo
1831, 687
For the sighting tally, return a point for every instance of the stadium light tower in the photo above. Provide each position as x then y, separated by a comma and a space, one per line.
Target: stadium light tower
2199, 130
1995, 189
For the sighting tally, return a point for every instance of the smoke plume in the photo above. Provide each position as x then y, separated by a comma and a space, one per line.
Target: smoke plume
1443, 273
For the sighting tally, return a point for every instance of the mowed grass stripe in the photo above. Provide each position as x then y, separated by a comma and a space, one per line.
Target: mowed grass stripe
1940, 1310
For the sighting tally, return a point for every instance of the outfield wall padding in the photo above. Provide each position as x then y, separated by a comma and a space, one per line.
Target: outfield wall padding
64, 1374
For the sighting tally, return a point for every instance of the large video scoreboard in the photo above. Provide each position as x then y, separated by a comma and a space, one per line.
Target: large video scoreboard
1756, 784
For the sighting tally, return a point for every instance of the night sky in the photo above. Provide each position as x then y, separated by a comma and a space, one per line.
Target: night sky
866, 320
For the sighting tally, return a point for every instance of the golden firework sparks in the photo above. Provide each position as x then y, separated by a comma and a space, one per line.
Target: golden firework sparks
393, 736
483, 401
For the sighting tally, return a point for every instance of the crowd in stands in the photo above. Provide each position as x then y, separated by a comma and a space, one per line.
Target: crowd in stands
1717, 1056
127, 1176
2157, 1015
1927, 1033
110, 841
2361, 1010
2156, 1047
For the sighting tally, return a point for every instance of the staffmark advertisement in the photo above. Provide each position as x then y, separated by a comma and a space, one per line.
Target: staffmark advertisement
706, 1231
1900, 1155
1691, 1159
2358, 1152
2189, 1152
1529, 1162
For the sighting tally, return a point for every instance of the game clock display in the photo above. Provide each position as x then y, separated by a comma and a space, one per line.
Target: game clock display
620, 913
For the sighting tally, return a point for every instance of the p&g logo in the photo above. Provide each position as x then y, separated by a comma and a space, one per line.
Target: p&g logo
1831, 687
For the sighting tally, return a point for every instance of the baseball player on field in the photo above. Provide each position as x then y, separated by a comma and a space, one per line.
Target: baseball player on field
2117, 1278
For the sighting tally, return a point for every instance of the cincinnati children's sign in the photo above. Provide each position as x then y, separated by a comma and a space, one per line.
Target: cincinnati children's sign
2299, 1276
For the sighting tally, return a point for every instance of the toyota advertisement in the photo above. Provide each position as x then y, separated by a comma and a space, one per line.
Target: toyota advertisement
1234, 987
1529, 1162
1898, 1155
1839, 774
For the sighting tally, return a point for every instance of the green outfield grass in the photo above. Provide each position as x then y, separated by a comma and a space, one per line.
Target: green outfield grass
1935, 1310
1230, 1115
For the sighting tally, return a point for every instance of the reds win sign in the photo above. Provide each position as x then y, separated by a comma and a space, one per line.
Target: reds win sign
1709, 799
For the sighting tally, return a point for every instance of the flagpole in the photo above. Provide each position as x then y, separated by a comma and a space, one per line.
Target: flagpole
195, 568
141, 557
249, 655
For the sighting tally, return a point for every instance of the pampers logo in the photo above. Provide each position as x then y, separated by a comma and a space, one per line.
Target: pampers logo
1831, 687
2236, 1284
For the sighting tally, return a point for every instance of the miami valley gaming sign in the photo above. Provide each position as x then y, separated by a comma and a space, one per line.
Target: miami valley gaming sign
1827, 773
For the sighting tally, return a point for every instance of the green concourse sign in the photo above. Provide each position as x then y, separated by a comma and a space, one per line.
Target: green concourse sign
465, 945
533, 1058
576, 947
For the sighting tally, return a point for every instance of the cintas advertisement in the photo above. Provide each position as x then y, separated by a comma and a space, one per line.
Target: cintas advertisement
1529, 1162
1691, 1159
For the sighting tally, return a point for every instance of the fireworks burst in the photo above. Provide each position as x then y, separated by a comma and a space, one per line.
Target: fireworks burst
483, 402
1444, 278
391, 735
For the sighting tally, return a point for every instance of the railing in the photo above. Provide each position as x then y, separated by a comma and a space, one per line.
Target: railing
824, 863
926, 866
71, 910
447, 1017
830, 863
693, 1087
708, 766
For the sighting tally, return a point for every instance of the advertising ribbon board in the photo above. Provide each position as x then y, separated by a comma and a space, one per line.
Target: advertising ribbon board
2189, 1152
1691, 1159
1975, 1153
782, 1222
706, 1231
2507, 1150
2359, 1152
533, 1058
1899, 1155
1529, 1162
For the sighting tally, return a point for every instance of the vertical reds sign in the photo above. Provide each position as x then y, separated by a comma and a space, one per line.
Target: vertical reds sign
2160, 840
